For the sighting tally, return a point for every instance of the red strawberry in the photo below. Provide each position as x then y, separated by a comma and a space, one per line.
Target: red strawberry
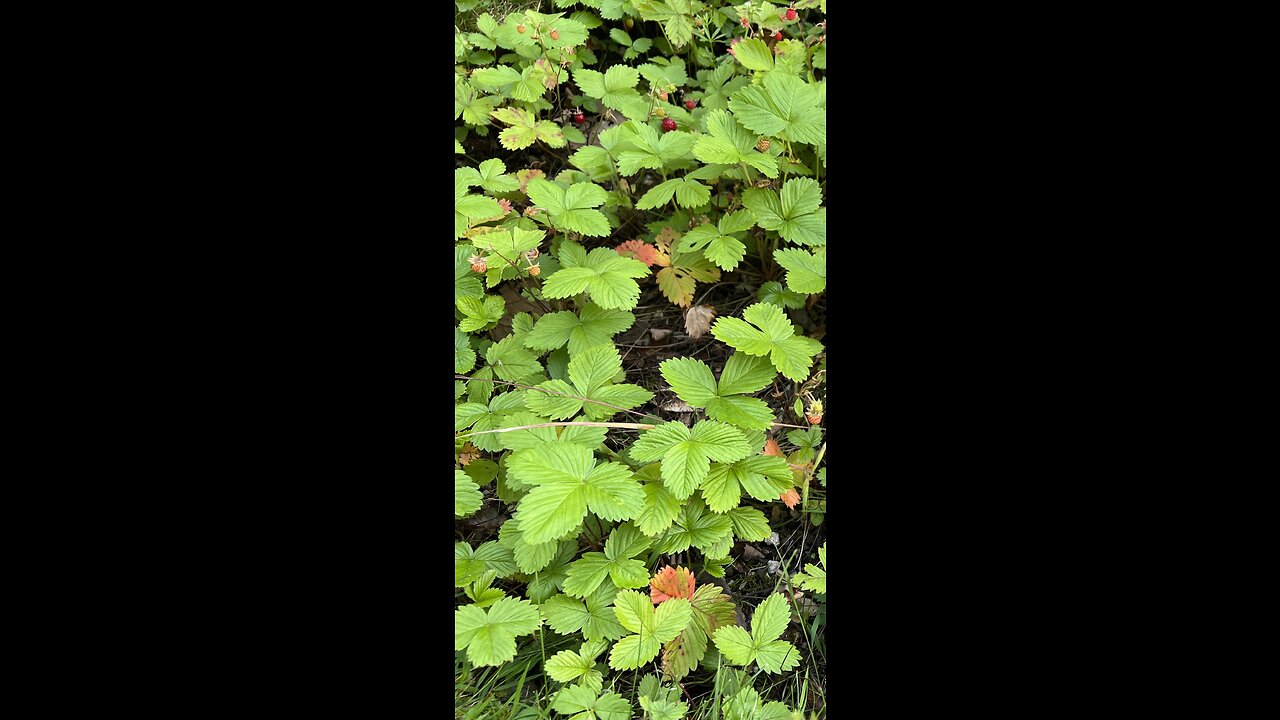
746, 22
777, 35
689, 104
579, 118
791, 14
668, 125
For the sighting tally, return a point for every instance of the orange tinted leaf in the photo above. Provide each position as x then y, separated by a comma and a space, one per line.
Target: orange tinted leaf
640, 250
791, 498
771, 448
671, 583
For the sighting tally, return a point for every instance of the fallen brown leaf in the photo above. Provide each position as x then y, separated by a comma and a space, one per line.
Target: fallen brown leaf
697, 320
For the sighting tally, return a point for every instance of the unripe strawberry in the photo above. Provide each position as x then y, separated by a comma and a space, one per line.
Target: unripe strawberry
689, 104
477, 263
668, 125
745, 22
534, 270
790, 15
555, 34
763, 144
628, 23
520, 29
579, 118
662, 94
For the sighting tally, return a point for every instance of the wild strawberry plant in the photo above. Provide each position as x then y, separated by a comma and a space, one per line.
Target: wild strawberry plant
627, 168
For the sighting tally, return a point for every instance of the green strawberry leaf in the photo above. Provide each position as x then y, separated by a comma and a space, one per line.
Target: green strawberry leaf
806, 272
526, 129
783, 106
687, 454
466, 498
761, 645
591, 326
727, 143
796, 215
608, 276
591, 372
593, 616
625, 542
770, 333
652, 628
571, 207
773, 293
709, 532
490, 637
568, 483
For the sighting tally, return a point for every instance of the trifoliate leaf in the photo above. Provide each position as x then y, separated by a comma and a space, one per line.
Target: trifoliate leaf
469, 564
567, 666
661, 77
466, 497
761, 645
571, 207
650, 150
806, 272
652, 628
466, 206
612, 87
688, 192
772, 335
686, 454
814, 578
480, 314
695, 526
664, 709
495, 79
581, 702
693, 383
490, 637
591, 372
728, 143
796, 215
568, 483
593, 616
609, 277
746, 704
783, 106
525, 129
480, 417
586, 574
591, 326
716, 242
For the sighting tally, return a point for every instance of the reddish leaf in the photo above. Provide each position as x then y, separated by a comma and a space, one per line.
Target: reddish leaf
790, 497
671, 583
640, 250
771, 448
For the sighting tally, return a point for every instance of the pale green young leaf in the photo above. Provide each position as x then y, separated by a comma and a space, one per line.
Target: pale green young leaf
806, 272
490, 637
664, 709
652, 628
581, 702
795, 215
568, 483
478, 314
571, 207
689, 193
608, 276
465, 282
612, 87
567, 666
695, 526
492, 178
761, 645
594, 616
660, 76
744, 412
772, 334
466, 497
687, 454
495, 79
